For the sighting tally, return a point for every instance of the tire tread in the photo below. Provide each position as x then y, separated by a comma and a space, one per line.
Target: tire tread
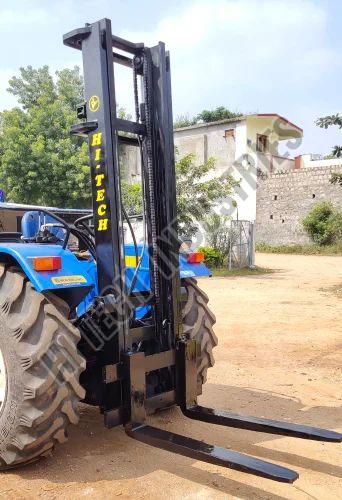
46, 343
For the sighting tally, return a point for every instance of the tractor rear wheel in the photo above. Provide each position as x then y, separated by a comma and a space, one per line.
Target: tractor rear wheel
40, 368
198, 323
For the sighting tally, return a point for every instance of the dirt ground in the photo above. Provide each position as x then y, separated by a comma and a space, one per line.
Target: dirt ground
279, 356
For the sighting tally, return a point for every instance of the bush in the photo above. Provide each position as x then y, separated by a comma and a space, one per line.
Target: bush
218, 232
323, 224
212, 258
313, 249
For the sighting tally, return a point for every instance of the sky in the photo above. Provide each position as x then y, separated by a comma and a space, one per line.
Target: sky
265, 56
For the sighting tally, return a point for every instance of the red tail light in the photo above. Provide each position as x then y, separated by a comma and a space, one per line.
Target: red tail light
195, 257
47, 263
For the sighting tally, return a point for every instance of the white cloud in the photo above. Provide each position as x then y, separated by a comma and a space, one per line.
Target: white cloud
25, 15
247, 54
6, 100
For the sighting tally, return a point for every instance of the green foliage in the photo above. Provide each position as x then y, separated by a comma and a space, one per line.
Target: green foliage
212, 257
184, 121
206, 116
324, 224
32, 85
224, 272
69, 86
336, 178
335, 249
219, 113
131, 197
328, 121
218, 232
197, 195
40, 162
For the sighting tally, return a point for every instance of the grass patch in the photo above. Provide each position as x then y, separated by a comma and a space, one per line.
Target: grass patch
224, 272
335, 249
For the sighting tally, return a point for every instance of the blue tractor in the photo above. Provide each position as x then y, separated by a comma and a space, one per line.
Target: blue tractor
85, 316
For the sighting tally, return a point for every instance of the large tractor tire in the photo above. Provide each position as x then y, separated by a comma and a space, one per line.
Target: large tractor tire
198, 323
39, 372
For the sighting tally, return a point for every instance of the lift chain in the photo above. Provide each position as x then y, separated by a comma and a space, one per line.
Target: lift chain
147, 85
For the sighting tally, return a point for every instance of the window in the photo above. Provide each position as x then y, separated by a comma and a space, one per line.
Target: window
229, 133
271, 216
262, 143
275, 197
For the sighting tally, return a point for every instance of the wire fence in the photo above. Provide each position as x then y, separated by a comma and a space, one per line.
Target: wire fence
241, 248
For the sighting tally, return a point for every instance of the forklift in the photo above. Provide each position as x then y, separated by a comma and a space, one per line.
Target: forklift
86, 316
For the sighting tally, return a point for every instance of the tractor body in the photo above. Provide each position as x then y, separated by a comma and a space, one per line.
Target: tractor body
86, 316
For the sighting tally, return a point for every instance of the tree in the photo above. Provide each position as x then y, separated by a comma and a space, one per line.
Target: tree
40, 162
32, 85
206, 116
324, 223
131, 197
219, 233
196, 194
184, 121
328, 121
219, 113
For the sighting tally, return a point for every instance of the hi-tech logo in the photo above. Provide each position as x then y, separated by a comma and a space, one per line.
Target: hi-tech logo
94, 103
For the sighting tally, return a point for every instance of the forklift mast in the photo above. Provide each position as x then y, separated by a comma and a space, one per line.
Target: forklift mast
125, 368
153, 133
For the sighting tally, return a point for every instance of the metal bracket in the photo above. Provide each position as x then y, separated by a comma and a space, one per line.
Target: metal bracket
75, 37
83, 129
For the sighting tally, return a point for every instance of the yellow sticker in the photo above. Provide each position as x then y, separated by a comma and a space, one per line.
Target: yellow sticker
94, 103
131, 261
66, 280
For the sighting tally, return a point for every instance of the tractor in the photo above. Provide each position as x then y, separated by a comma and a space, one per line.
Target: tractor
86, 316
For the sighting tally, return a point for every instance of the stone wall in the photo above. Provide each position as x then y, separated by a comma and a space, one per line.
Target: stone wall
284, 198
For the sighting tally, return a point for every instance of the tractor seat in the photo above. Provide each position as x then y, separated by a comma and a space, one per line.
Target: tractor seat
32, 222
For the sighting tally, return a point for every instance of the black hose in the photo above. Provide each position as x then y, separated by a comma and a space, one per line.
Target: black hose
134, 278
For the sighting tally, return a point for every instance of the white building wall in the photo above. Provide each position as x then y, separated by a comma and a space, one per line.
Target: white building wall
307, 161
229, 152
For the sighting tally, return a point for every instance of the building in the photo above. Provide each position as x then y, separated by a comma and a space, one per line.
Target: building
247, 147
284, 198
316, 160
242, 147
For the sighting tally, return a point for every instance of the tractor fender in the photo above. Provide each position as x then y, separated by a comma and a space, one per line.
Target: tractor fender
188, 270
74, 273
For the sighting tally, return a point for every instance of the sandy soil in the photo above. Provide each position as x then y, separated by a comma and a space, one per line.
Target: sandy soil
279, 356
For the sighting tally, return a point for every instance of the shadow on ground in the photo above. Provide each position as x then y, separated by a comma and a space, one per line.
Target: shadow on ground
94, 453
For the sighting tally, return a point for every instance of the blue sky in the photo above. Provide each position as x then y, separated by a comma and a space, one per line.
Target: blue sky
264, 56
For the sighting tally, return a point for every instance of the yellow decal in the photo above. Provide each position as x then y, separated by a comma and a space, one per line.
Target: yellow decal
66, 280
101, 209
94, 103
97, 139
100, 194
99, 179
98, 152
131, 261
103, 225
